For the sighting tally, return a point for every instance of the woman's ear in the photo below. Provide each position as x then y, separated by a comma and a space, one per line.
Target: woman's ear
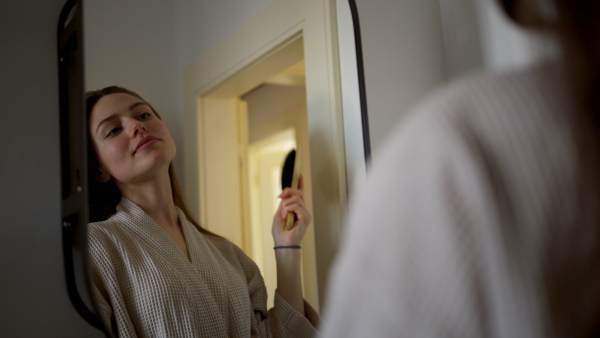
102, 176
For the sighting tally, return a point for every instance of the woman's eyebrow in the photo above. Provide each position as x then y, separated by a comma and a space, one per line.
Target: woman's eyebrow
140, 103
132, 107
111, 117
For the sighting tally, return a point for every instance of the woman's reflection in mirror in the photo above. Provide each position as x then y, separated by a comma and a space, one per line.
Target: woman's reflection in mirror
156, 272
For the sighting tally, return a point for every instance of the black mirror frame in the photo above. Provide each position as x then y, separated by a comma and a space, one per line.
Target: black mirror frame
73, 139
361, 81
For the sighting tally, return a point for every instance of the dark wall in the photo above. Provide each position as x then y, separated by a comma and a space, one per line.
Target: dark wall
33, 297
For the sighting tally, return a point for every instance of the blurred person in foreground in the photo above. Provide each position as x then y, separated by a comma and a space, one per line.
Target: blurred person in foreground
481, 215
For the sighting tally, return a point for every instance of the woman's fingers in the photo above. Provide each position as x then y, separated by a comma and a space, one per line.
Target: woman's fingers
288, 192
291, 191
301, 213
290, 203
293, 200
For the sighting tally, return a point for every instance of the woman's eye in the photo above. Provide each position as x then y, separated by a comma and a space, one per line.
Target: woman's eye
144, 116
113, 131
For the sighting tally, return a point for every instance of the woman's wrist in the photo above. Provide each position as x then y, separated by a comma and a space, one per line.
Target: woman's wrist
289, 280
288, 258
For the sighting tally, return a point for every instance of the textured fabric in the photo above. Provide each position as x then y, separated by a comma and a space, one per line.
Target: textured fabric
146, 286
472, 223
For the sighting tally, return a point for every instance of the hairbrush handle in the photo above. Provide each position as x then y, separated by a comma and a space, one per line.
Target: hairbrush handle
289, 221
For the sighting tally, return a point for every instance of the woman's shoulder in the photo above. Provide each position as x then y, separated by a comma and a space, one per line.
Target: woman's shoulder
127, 214
108, 230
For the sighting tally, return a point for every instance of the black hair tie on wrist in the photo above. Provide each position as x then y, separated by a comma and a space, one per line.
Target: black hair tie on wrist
287, 247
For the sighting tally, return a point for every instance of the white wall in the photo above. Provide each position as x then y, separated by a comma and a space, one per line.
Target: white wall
202, 25
403, 56
133, 44
505, 45
478, 36
462, 36
33, 291
268, 101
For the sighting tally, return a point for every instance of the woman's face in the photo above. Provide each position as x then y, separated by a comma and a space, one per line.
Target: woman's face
131, 142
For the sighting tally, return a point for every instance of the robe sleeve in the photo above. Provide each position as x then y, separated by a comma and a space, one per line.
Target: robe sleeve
280, 321
105, 314
105, 287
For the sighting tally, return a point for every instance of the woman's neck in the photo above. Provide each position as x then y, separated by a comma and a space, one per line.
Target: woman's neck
155, 197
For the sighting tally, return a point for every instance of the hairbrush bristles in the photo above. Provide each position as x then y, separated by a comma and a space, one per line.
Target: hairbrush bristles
287, 172
289, 179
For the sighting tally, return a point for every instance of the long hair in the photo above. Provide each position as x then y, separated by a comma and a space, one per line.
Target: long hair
567, 281
104, 197
576, 25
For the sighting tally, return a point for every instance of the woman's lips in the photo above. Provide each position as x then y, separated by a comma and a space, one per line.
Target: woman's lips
145, 143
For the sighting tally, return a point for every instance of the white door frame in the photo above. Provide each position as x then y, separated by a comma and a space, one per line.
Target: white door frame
244, 52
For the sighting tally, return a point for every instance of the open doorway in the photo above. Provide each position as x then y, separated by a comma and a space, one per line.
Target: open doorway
276, 113
248, 125
265, 158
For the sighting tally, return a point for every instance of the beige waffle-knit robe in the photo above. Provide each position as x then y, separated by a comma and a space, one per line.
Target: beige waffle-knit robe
146, 286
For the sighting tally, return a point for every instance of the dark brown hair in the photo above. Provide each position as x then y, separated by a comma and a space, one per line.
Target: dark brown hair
576, 25
104, 197
567, 282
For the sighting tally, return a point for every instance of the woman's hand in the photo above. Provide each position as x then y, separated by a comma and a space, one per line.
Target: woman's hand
292, 200
289, 272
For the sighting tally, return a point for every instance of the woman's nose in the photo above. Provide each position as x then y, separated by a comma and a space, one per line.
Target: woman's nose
136, 127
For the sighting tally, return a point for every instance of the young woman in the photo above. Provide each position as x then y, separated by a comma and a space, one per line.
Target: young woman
156, 271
